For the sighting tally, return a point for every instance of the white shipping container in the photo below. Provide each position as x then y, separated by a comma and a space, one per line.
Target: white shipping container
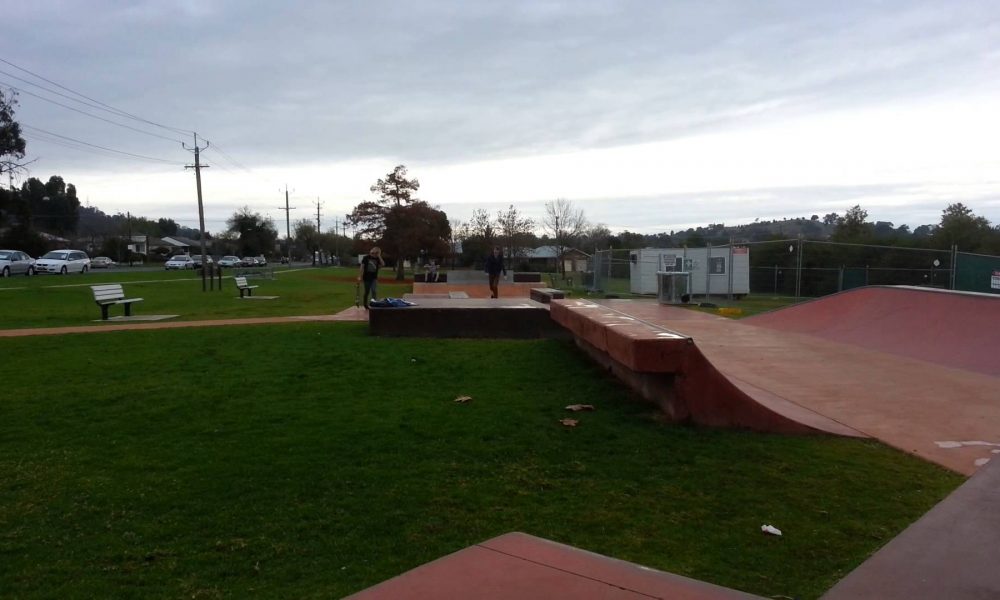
714, 269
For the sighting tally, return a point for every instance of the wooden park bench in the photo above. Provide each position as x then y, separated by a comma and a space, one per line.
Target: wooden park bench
243, 286
107, 295
546, 295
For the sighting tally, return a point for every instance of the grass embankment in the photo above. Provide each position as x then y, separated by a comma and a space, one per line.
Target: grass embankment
56, 301
311, 461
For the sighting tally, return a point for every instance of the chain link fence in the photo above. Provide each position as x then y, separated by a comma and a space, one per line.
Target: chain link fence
799, 267
612, 272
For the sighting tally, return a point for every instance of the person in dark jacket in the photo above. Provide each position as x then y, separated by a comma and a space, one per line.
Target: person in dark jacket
495, 266
369, 273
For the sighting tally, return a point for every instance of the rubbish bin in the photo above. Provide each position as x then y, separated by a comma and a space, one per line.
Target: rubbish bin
674, 287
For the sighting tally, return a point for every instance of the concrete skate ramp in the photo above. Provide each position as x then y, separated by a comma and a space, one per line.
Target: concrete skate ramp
664, 366
956, 329
942, 413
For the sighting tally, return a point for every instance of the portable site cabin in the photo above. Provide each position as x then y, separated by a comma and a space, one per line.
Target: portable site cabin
720, 270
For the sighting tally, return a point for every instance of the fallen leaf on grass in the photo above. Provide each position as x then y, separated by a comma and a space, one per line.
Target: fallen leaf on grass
579, 407
463, 399
569, 422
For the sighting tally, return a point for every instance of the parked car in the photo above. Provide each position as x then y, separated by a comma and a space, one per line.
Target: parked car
248, 261
197, 260
261, 261
229, 261
181, 261
63, 262
15, 262
101, 262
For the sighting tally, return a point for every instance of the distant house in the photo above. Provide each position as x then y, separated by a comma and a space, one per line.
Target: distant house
164, 247
179, 245
140, 244
546, 258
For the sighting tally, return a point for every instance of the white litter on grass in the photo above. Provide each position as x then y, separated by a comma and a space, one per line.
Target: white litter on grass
770, 529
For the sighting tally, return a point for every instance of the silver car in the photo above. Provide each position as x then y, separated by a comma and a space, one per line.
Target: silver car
181, 261
63, 262
15, 262
101, 262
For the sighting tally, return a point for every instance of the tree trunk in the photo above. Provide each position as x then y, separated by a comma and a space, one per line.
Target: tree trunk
400, 272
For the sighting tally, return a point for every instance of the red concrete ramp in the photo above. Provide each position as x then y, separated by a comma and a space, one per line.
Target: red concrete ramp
943, 413
956, 329
666, 368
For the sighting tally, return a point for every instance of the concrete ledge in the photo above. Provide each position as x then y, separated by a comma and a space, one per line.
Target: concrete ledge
521, 566
511, 318
639, 346
546, 295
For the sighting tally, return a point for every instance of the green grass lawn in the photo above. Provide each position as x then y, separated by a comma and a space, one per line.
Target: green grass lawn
52, 300
311, 461
55, 301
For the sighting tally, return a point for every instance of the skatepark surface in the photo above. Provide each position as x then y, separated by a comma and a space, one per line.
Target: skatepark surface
922, 390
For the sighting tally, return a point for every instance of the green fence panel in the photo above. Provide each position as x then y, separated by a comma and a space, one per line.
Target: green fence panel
977, 273
854, 277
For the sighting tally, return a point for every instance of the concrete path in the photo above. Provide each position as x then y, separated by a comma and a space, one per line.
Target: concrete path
949, 553
350, 314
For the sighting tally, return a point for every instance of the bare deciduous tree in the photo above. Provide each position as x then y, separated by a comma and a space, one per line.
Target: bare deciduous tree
515, 231
564, 224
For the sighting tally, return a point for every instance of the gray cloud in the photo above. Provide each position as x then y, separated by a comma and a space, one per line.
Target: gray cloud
453, 81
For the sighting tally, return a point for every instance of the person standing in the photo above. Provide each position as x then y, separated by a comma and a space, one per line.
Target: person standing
495, 266
368, 274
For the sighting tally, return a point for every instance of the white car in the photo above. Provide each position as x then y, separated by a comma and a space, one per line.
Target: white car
182, 261
229, 261
15, 262
63, 262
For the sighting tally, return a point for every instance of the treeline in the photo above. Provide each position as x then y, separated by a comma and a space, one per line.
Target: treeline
36, 216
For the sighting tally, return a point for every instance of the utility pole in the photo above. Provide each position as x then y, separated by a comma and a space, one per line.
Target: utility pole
128, 246
336, 238
288, 225
318, 232
197, 166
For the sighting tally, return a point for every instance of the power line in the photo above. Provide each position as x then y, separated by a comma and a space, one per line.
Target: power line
83, 112
107, 106
229, 158
63, 137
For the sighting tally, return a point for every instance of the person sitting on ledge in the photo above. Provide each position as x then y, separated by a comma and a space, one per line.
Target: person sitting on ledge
431, 270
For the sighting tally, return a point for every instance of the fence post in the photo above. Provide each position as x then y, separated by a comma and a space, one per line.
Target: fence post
954, 266
798, 270
840, 279
775, 280
729, 269
708, 270
866, 274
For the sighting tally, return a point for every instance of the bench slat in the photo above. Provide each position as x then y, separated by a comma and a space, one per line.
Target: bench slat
122, 301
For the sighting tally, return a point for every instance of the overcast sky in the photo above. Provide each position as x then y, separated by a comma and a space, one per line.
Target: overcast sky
650, 115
